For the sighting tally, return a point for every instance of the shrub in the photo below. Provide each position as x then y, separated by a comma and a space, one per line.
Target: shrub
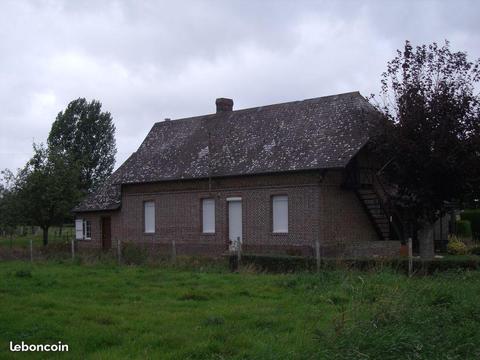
474, 217
475, 250
132, 254
464, 229
278, 263
455, 246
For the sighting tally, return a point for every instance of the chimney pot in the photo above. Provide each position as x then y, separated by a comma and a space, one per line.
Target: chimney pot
224, 105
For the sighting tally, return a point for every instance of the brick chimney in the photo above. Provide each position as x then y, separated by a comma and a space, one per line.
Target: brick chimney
224, 105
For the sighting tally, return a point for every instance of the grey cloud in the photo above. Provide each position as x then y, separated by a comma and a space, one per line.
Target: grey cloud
147, 60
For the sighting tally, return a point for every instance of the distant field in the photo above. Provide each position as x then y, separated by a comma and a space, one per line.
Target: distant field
106, 312
54, 237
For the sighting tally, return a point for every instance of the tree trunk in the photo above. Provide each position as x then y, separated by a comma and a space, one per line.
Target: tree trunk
45, 236
425, 242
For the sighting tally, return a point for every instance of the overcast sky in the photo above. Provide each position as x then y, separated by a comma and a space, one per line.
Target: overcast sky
149, 60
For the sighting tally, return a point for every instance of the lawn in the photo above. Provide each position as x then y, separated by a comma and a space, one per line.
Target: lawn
105, 311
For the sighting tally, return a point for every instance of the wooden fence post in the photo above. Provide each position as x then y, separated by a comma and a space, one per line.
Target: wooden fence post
31, 250
174, 252
73, 249
119, 251
410, 257
317, 254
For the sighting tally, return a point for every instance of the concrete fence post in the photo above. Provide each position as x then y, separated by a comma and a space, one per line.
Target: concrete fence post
317, 254
410, 257
31, 250
239, 250
174, 252
119, 251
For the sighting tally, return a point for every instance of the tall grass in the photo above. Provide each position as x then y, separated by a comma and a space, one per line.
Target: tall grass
104, 311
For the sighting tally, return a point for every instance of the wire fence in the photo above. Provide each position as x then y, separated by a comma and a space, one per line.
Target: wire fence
132, 253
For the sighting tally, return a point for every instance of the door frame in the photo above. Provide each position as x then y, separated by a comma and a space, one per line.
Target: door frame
228, 201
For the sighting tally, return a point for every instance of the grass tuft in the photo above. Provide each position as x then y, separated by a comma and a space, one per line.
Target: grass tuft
193, 296
24, 273
214, 321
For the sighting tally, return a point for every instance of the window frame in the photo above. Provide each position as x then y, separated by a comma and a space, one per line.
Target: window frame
145, 232
272, 217
87, 228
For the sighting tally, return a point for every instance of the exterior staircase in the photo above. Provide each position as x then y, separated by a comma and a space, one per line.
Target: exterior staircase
376, 202
378, 216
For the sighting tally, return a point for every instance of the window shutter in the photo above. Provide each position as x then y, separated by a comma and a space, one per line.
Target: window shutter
149, 211
208, 212
79, 229
280, 214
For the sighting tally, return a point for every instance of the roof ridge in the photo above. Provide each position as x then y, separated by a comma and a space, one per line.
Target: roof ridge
257, 107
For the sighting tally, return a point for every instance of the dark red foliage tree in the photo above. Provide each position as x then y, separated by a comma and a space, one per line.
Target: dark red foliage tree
431, 140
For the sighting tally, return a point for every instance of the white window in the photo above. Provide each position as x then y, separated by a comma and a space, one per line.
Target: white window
280, 213
149, 215
83, 229
208, 214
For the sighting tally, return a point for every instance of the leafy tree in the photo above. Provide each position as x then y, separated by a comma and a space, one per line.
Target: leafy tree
432, 139
10, 217
47, 189
85, 136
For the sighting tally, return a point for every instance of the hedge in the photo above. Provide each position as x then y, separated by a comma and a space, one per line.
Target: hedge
474, 217
464, 229
285, 264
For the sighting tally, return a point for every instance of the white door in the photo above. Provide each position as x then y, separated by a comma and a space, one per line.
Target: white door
234, 223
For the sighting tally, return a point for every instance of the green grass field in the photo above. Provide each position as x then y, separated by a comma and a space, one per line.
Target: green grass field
104, 312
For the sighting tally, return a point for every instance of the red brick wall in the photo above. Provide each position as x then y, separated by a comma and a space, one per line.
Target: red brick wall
96, 228
319, 210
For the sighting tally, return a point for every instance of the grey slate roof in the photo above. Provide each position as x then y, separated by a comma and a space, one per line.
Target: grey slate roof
108, 196
319, 133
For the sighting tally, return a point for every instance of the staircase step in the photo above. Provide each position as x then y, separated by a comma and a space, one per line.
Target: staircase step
368, 194
366, 190
371, 200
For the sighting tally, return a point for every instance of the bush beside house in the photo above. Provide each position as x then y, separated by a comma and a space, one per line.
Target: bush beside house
473, 216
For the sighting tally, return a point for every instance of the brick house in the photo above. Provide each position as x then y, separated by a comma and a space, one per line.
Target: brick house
276, 178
